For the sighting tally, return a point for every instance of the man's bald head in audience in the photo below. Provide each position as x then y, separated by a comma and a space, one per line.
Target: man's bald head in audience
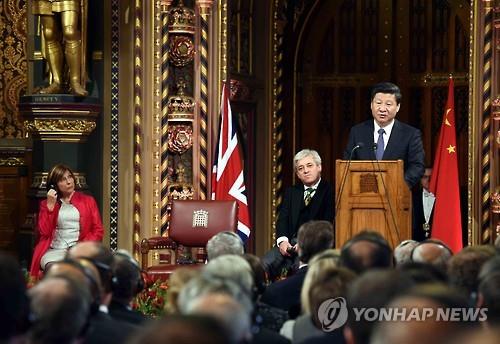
100, 255
366, 250
433, 252
60, 308
82, 272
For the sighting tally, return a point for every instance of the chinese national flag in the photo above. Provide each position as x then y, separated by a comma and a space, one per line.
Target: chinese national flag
447, 223
227, 175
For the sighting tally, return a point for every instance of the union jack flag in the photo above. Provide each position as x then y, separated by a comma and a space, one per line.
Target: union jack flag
227, 174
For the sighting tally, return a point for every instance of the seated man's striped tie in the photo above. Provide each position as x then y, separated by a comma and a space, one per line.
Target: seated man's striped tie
308, 196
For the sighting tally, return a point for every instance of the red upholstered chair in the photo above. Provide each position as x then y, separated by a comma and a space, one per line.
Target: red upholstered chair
192, 224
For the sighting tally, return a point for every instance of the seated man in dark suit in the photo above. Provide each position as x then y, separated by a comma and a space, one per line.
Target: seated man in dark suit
313, 238
386, 138
311, 199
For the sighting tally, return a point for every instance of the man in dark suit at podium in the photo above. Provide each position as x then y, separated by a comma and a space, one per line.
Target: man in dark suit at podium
386, 138
312, 199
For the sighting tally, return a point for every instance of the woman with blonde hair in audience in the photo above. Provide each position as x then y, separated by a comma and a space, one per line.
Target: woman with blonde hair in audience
324, 280
179, 278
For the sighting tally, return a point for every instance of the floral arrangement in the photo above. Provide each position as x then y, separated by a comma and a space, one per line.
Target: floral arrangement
151, 300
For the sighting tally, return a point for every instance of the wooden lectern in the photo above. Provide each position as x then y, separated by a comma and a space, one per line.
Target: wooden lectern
375, 196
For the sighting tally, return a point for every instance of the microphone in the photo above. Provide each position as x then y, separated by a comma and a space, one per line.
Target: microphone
344, 177
379, 170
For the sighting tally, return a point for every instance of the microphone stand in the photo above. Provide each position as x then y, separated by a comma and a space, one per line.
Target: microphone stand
344, 178
379, 170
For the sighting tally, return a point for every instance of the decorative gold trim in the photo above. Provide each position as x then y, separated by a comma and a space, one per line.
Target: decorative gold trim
97, 55
274, 108
203, 78
441, 79
60, 129
138, 114
66, 125
495, 203
474, 124
164, 113
495, 105
37, 56
157, 115
223, 22
12, 161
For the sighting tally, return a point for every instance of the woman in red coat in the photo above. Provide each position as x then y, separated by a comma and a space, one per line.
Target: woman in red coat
65, 218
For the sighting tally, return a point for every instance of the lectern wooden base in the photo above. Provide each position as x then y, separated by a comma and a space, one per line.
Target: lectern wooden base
375, 197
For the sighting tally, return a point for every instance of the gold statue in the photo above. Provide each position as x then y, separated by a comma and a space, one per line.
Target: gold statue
60, 27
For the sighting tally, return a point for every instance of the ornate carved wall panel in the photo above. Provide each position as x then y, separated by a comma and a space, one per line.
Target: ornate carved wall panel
13, 68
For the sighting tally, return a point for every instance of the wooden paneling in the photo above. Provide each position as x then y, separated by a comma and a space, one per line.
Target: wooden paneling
13, 204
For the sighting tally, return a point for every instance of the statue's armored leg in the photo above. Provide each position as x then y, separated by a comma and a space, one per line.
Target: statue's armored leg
73, 58
54, 54
73, 51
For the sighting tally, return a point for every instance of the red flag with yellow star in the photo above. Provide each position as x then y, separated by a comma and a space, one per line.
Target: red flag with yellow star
447, 220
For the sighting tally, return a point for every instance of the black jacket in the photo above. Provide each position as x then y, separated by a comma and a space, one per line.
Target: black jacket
294, 213
405, 143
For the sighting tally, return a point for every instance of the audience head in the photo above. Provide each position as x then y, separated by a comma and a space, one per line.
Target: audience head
221, 298
373, 289
330, 283
307, 164
84, 273
432, 251
489, 296
179, 278
258, 272
423, 273
60, 310
490, 267
428, 330
100, 255
224, 243
14, 304
464, 267
324, 261
331, 256
127, 279
234, 268
314, 237
229, 311
477, 335
366, 250
402, 252
184, 329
